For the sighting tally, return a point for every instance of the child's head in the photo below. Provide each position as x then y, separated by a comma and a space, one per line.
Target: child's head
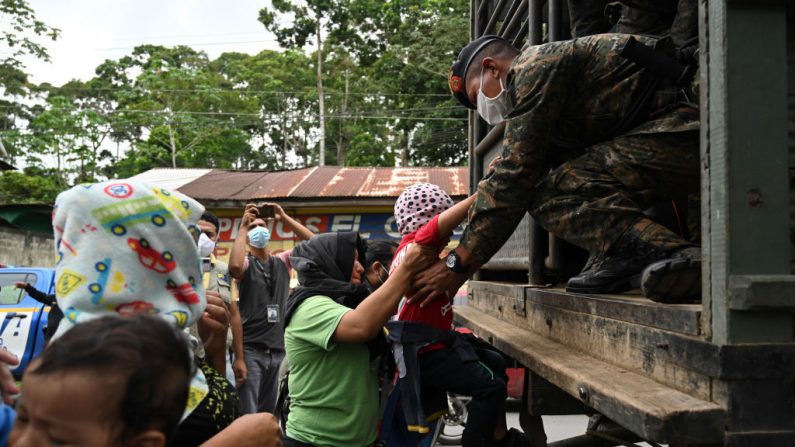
112, 381
417, 205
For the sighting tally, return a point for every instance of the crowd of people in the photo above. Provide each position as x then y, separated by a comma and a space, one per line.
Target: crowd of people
155, 346
154, 341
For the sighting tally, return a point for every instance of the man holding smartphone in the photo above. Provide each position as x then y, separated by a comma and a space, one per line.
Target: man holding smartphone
264, 284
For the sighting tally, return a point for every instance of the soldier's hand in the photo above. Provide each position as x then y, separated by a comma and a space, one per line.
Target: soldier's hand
20, 284
250, 214
241, 371
434, 282
493, 163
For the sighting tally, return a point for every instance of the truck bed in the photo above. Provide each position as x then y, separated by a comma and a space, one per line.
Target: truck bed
626, 357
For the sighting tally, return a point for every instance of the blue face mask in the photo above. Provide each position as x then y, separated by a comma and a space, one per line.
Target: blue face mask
259, 237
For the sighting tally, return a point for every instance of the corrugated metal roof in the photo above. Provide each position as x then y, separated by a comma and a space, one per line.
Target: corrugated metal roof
324, 182
170, 178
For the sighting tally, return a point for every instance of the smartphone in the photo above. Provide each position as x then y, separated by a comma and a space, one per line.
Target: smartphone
266, 211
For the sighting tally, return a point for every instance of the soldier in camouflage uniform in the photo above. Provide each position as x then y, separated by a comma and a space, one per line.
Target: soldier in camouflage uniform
614, 140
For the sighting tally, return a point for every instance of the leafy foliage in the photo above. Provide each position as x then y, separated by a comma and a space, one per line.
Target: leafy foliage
383, 65
30, 186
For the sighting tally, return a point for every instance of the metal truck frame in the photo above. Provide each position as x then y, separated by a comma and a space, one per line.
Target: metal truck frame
719, 373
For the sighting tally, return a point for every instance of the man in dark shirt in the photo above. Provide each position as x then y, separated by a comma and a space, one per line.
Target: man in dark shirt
263, 284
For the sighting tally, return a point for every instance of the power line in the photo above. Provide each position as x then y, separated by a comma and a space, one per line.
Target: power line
175, 36
276, 92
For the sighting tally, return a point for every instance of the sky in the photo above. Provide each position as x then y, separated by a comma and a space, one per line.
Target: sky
95, 30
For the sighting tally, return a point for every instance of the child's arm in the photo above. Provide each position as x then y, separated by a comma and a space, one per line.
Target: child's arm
451, 217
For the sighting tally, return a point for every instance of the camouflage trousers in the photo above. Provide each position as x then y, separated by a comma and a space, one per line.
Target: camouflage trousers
679, 18
597, 199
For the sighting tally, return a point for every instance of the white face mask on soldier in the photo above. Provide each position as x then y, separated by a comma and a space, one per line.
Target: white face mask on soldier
492, 110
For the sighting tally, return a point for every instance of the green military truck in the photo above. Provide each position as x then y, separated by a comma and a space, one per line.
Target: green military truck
719, 373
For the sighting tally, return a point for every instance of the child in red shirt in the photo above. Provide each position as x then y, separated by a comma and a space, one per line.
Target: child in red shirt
426, 215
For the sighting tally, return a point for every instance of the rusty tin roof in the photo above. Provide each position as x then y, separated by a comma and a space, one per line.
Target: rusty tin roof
324, 182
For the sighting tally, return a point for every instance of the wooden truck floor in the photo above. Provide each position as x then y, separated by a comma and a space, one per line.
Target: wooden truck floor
626, 357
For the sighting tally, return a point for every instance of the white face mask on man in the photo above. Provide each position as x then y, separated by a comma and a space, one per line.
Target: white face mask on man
492, 110
206, 246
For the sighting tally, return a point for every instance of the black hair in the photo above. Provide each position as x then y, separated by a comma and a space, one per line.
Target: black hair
381, 251
210, 217
148, 356
497, 49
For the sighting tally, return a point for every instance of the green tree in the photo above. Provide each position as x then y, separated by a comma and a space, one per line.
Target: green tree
294, 23
419, 39
20, 32
281, 85
172, 109
31, 186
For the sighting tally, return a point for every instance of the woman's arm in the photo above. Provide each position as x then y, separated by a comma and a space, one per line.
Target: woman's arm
363, 323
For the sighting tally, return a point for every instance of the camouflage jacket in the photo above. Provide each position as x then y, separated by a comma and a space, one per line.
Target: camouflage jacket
567, 95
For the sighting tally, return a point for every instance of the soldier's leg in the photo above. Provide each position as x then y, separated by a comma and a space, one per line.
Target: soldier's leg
587, 17
594, 200
597, 200
646, 16
685, 24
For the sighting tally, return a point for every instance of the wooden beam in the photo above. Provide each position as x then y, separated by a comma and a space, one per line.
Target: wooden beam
647, 408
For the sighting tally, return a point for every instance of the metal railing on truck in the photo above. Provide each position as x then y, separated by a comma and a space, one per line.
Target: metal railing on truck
521, 22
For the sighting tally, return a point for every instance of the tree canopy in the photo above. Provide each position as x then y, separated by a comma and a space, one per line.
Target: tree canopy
371, 90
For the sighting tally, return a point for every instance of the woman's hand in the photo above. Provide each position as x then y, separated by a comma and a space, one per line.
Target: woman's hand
418, 257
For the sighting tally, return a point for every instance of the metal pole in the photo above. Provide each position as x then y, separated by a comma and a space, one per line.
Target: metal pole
508, 29
521, 35
555, 20
496, 16
535, 19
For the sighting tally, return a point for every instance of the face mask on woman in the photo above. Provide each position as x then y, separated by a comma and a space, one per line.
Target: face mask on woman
259, 237
492, 110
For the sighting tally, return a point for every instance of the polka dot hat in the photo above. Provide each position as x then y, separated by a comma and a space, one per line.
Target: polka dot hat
417, 205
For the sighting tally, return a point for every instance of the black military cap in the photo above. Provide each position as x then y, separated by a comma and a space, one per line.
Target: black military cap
458, 72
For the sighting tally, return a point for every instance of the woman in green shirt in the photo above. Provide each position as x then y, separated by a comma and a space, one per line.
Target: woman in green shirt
329, 321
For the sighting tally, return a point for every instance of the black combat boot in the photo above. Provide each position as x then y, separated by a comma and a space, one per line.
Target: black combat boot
620, 269
608, 274
674, 280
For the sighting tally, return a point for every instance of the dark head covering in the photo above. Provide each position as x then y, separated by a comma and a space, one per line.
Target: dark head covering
324, 265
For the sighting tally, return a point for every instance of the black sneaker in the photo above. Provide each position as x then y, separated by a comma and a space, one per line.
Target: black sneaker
675, 280
516, 438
